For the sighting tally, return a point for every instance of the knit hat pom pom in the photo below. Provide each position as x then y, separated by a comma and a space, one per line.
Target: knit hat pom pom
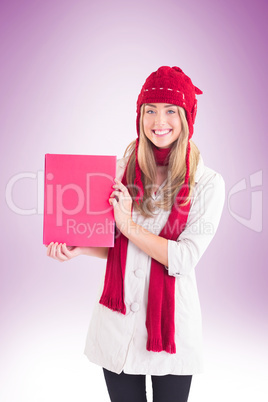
178, 69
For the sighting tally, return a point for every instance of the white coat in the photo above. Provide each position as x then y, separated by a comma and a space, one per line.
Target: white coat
117, 342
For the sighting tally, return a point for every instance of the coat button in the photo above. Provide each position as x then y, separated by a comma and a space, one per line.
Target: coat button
139, 273
135, 307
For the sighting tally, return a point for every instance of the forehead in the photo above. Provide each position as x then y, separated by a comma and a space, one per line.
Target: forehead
159, 105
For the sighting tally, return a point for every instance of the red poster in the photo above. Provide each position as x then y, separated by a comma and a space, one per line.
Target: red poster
76, 207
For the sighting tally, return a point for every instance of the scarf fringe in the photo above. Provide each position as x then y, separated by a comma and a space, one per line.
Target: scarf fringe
156, 345
113, 304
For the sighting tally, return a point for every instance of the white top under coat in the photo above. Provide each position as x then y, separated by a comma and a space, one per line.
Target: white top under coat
117, 342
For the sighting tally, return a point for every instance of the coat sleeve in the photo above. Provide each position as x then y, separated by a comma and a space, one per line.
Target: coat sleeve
203, 220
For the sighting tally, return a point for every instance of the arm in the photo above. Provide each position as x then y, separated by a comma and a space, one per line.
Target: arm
101, 252
153, 245
182, 255
202, 224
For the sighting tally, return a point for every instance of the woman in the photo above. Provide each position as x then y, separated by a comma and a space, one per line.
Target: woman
167, 206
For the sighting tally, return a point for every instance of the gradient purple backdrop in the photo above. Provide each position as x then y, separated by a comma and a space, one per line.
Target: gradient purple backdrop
70, 75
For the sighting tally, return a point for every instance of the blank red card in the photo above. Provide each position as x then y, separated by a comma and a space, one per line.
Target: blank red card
76, 207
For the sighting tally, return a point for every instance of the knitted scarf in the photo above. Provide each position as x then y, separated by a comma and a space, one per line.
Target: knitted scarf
161, 155
160, 318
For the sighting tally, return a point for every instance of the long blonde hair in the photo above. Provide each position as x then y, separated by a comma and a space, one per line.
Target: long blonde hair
176, 168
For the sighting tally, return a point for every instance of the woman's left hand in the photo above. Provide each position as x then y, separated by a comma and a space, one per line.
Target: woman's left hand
121, 201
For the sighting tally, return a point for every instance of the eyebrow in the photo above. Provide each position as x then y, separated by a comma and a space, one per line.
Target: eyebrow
149, 104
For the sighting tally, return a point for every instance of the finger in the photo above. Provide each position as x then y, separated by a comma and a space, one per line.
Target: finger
119, 185
49, 249
54, 250
60, 256
57, 253
112, 201
66, 251
116, 193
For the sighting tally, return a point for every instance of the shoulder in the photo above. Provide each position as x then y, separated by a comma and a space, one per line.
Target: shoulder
120, 167
205, 173
208, 178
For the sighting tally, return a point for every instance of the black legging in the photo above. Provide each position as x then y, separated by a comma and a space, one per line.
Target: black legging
131, 388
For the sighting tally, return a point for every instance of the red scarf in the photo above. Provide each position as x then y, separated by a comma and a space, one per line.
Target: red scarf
160, 319
161, 155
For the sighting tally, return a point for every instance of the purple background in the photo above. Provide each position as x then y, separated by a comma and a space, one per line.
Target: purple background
71, 72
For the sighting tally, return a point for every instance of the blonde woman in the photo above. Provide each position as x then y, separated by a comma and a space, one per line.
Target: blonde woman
167, 207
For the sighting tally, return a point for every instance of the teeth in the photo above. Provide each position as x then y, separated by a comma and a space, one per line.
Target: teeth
161, 132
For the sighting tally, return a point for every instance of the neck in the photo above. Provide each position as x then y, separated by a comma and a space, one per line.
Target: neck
161, 155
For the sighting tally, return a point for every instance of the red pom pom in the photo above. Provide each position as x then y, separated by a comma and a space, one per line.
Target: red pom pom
177, 69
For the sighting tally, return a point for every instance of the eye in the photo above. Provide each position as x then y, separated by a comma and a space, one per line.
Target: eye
150, 111
170, 111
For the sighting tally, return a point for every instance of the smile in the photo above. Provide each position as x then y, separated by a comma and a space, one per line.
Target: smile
162, 132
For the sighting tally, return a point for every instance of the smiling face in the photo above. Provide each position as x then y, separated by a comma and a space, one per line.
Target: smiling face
161, 123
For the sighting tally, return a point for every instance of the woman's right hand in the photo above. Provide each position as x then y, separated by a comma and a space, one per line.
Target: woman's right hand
61, 252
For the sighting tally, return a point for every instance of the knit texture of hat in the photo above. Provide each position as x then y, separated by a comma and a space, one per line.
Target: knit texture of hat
168, 85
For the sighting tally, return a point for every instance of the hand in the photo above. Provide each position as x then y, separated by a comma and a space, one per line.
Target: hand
121, 201
61, 252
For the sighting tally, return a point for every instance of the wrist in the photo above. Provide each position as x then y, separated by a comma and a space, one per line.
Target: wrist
128, 227
85, 250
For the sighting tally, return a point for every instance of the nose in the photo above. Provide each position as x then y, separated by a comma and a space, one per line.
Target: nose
160, 119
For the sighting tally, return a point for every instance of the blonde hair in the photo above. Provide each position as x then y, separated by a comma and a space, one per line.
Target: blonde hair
176, 168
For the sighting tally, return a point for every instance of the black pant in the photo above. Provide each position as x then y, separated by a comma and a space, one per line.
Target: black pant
131, 388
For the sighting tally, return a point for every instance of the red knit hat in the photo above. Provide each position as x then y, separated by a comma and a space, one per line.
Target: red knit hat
168, 85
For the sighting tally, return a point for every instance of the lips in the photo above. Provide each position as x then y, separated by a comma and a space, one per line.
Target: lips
161, 133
